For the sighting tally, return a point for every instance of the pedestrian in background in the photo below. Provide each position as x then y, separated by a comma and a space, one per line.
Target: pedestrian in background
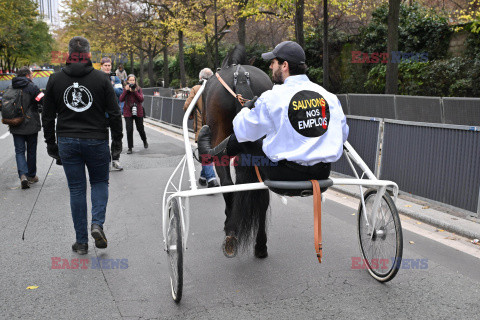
207, 175
25, 135
78, 98
121, 74
106, 66
133, 111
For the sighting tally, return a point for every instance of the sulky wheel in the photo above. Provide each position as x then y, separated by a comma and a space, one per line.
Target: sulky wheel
175, 249
382, 244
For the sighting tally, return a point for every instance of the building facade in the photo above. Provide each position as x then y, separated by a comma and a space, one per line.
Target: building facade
48, 9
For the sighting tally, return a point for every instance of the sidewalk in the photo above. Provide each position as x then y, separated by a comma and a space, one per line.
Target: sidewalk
431, 213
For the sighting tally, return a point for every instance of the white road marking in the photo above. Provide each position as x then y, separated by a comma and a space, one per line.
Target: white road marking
427, 231
6, 134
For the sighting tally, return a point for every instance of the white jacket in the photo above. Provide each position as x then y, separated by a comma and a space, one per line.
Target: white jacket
301, 121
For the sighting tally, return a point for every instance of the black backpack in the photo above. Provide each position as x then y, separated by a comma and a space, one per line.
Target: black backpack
12, 107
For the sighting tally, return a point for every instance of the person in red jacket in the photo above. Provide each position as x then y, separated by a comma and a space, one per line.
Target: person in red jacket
133, 111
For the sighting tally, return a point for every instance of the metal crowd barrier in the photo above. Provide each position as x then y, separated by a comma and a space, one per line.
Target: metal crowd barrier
460, 111
465, 111
370, 105
168, 110
434, 161
164, 92
364, 136
419, 109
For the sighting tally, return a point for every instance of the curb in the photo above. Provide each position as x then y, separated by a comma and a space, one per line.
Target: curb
461, 231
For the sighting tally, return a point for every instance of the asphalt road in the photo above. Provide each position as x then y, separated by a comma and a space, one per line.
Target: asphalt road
289, 284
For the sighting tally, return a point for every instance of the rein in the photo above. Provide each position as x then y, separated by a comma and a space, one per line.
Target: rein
239, 97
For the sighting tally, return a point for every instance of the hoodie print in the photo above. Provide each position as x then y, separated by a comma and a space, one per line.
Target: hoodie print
77, 98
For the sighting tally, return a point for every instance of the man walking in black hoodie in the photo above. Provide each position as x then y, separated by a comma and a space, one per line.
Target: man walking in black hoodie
27, 132
79, 96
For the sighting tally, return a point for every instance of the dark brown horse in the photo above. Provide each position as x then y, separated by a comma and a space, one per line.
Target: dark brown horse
245, 211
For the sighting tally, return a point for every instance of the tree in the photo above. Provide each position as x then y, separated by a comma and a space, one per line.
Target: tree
391, 84
325, 45
24, 38
299, 13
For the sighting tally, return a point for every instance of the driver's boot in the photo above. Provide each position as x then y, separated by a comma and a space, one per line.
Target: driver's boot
230, 146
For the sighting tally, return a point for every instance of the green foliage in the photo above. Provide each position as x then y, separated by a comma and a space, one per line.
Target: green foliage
352, 75
315, 75
175, 83
473, 40
254, 53
420, 30
24, 38
376, 79
454, 77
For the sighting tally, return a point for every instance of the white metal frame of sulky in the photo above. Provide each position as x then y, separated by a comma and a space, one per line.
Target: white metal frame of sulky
174, 189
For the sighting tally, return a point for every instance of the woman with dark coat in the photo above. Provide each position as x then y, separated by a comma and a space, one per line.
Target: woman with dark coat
133, 110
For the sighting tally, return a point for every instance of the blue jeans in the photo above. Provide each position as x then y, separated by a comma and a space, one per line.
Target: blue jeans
207, 172
28, 165
95, 155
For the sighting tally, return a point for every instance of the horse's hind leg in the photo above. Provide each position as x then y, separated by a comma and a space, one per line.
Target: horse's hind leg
261, 240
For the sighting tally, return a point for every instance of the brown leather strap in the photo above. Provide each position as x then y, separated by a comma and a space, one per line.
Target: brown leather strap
258, 174
239, 97
317, 218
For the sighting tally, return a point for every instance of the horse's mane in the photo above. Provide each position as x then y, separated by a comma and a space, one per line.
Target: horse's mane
236, 56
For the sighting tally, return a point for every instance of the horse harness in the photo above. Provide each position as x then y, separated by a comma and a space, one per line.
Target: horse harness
241, 83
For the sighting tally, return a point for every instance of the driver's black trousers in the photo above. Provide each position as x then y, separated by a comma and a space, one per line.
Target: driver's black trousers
283, 170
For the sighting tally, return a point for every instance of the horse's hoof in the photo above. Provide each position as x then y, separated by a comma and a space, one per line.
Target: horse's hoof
230, 246
261, 253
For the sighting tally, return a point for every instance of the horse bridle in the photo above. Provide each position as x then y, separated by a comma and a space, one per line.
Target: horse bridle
238, 96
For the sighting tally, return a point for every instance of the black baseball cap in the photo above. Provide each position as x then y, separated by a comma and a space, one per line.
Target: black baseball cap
287, 50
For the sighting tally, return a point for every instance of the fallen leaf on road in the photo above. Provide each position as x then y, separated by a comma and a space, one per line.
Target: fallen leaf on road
408, 206
439, 230
14, 188
426, 207
419, 223
411, 242
32, 287
451, 238
353, 214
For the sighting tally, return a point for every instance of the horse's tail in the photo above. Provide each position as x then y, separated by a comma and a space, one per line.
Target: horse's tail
249, 207
237, 56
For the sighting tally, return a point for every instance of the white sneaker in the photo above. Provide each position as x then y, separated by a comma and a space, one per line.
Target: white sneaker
116, 165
